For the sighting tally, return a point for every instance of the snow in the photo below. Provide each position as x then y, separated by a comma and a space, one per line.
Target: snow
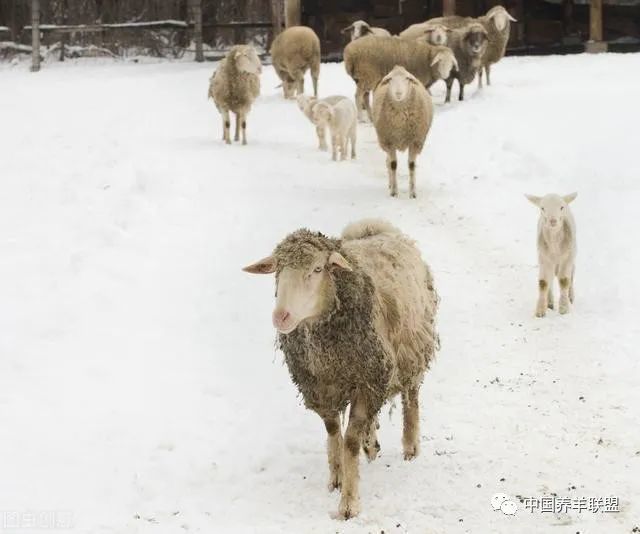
140, 390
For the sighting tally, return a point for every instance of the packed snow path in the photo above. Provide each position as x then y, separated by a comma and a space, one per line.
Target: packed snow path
140, 390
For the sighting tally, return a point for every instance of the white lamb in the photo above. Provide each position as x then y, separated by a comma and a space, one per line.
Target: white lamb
556, 250
306, 103
341, 119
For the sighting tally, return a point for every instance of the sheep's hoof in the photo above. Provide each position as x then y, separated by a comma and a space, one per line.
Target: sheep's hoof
541, 312
412, 194
349, 507
563, 307
550, 305
371, 451
335, 482
411, 452
244, 142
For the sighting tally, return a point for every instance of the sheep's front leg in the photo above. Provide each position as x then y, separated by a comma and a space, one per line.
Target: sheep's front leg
243, 125
410, 423
371, 445
226, 127
334, 450
480, 78
322, 137
461, 94
565, 276
367, 105
413, 153
449, 82
236, 137
544, 283
487, 69
392, 166
358, 420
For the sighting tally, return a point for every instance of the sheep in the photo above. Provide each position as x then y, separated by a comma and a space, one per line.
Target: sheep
497, 22
369, 59
360, 28
556, 250
341, 118
306, 103
435, 34
356, 323
234, 86
402, 116
469, 44
294, 51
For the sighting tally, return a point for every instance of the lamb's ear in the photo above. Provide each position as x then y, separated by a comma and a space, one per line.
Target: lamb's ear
570, 197
264, 266
534, 200
337, 261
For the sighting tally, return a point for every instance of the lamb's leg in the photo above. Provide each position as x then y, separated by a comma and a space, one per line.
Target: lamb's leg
410, 423
571, 293
392, 165
344, 139
413, 153
370, 445
322, 138
358, 420
544, 282
334, 147
449, 82
565, 275
334, 450
226, 127
550, 299
236, 137
353, 137
487, 69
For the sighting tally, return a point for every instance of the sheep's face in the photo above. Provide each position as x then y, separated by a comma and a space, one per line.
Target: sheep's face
303, 291
444, 62
553, 208
476, 40
247, 60
500, 17
321, 113
398, 83
437, 35
357, 29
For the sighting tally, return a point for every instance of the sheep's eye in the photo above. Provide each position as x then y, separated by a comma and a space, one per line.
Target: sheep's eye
317, 269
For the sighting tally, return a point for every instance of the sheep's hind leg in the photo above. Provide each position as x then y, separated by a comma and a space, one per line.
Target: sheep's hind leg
392, 166
410, 423
236, 137
226, 127
461, 94
334, 451
243, 125
370, 444
487, 69
350, 499
571, 293
449, 82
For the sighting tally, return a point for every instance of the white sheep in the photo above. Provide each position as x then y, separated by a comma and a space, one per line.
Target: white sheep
293, 52
360, 28
306, 103
433, 33
497, 22
556, 250
402, 116
234, 86
341, 119
356, 323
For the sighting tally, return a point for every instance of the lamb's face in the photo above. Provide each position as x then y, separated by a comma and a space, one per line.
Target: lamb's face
476, 41
303, 289
553, 208
321, 113
398, 83
247, 60
357, 29
437, 35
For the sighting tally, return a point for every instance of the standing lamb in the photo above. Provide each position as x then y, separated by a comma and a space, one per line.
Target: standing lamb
469, 44
360, 28
402, 115
341, 119
369, 59
556, 250
234, 86
306, 103
497, 22
356, 323
294, 51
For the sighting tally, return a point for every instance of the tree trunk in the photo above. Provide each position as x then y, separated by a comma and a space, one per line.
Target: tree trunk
448, 7
292, 13
35, 35
276, 16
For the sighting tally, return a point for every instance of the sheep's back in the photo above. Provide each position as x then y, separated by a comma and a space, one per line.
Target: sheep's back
296, 48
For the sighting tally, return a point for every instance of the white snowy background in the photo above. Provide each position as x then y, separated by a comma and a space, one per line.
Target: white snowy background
140, 390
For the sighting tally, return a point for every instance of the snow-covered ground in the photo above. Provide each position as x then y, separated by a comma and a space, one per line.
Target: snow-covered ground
140, 390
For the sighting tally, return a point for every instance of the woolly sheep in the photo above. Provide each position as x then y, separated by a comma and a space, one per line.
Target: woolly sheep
356, 323
497, 22
556, 250
341, 119
402, 115
306, 103
469, 44
234, 86
369, 59
294, 51
433, 33
360, 28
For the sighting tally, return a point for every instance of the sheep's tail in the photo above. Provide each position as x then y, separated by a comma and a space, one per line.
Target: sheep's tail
368, 228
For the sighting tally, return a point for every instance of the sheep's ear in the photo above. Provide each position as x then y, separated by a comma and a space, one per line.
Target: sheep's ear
412, 78
570, 198
337, 261
365, 30
534, 200
264, 266
346, 30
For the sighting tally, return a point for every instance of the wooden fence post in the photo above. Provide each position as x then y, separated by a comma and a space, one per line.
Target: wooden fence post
292, 13
448, 7
595, 43
276, 16
35, 35
196, 13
